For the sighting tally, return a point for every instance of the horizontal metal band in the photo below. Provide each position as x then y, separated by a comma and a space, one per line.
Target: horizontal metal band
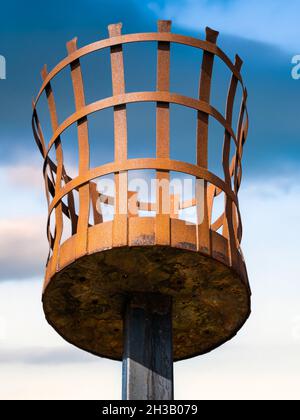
142, 37
141, 97
136, 164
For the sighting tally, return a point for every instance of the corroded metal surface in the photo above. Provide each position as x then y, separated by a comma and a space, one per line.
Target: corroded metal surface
85, 301
217, 289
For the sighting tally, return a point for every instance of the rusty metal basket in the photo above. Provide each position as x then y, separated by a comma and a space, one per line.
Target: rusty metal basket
90, 274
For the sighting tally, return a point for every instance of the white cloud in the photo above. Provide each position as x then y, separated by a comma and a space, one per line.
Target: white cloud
23, 189
271, 21
23, 248
25, 176
23, 241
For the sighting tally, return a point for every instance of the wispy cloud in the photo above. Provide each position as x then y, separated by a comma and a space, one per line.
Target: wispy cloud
25, 176
44, 356
270, 21
23, 189
23, 242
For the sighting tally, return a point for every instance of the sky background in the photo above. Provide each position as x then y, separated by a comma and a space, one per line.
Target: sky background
262, 362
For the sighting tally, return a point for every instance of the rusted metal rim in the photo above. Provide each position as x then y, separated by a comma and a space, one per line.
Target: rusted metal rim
142, 37
224, 318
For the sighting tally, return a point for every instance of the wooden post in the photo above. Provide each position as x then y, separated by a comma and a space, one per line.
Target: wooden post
148, 356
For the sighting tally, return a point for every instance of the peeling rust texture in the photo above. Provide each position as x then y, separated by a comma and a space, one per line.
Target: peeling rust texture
90, 273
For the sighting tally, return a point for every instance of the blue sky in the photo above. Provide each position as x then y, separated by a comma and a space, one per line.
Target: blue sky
30, 37
263, 360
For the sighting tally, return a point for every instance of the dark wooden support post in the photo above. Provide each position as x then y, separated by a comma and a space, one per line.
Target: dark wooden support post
148, 356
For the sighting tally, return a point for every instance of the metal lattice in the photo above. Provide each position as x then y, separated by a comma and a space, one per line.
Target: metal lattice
219, 239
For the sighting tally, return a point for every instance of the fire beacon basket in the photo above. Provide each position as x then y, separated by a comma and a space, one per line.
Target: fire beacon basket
91, 273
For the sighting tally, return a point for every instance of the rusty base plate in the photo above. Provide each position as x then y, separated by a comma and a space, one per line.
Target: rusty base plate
84, 302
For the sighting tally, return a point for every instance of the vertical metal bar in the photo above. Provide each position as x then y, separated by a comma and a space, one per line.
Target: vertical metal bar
98, 218
162, 221
204, 95
59, 159
71, 213
40, 140
203, 218
228, 227
148, 355
236, 168
83, 152
120, 226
